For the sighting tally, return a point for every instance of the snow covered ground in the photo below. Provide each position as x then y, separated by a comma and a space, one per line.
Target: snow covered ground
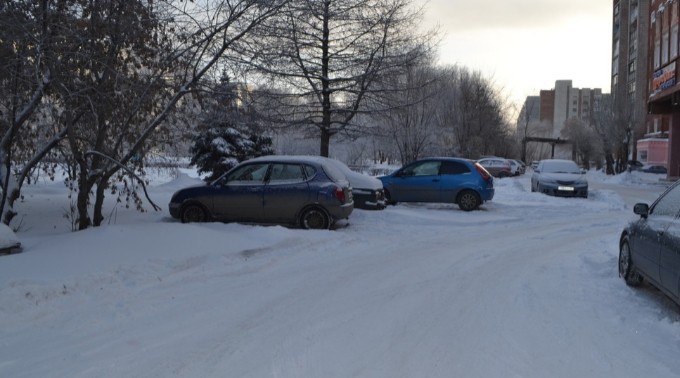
526, 287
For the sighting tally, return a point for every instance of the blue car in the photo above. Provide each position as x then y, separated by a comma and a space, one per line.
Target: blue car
442, 179
305, 191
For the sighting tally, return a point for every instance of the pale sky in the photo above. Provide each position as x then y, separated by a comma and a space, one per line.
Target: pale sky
526, 45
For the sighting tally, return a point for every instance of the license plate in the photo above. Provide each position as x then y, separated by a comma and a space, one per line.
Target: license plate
566, 188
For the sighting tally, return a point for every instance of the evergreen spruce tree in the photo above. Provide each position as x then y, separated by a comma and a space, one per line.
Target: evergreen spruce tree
229, 134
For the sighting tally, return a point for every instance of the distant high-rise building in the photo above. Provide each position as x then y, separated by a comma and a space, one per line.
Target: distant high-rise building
630, 43
554, 107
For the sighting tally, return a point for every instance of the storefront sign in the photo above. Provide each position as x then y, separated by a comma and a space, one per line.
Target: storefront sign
664, 78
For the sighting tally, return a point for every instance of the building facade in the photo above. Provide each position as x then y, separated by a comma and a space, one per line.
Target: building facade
549, 113
662, 84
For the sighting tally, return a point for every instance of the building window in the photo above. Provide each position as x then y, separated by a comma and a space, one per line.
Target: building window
665, 39
674, 30
656, 22
657, 54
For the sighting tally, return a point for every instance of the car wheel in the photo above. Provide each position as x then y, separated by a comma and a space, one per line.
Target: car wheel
468, 200
193, 213
388, 198
627, 269
315, 218
532, 188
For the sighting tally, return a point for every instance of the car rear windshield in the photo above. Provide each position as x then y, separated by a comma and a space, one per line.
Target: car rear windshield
334, 173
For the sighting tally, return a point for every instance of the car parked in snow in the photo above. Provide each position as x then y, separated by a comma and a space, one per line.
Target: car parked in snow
367, 191
440, 179
659, 169
516, 167
649, 246
634, 165
299, 190
558, 177
498, 167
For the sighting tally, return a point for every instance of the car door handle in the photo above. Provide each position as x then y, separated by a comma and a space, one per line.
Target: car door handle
435, 180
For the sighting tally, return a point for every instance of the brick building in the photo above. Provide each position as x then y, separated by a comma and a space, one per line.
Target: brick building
662, 84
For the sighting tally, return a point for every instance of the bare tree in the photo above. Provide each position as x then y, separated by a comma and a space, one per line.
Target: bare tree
411, 124
329, 56
583, 139
474, 111
613, 129
27, 36
120, 69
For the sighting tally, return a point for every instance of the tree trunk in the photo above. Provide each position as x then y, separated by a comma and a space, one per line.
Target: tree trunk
325, 142
99, 203
83, 199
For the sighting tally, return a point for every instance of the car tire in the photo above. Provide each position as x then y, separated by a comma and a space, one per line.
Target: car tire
627, 269
533, 190
468, 200
388, 198
315, 218
193, 213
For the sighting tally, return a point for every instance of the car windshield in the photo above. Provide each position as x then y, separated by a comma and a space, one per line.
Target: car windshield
560, 167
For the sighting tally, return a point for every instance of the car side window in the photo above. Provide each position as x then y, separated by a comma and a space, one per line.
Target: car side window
453, 168
250, 174
427, 168
284, 173
309, 171
669, 204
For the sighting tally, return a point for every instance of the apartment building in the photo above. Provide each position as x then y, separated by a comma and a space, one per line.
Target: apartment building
550, 111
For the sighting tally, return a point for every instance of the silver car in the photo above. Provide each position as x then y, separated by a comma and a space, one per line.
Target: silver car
299, 190
557, 177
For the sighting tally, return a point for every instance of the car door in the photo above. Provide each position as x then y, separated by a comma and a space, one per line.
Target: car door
239, 196
669, 240
647, 238
669, 244
418, 182
454, 176
285, 193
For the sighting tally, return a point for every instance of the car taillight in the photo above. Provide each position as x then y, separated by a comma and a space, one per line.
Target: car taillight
483, 172
340, 194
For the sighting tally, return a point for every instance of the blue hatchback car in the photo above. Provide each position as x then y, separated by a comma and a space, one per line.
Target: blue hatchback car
300, 190
440, 179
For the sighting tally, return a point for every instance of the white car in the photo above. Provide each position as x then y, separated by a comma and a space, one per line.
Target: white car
516, 167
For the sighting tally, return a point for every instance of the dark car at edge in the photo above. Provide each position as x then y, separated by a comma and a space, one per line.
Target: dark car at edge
649, 247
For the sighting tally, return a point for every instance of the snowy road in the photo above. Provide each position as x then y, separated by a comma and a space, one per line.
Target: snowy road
527, 287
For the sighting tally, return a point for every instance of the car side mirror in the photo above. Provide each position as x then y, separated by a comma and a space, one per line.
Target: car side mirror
537, 170
641, 209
